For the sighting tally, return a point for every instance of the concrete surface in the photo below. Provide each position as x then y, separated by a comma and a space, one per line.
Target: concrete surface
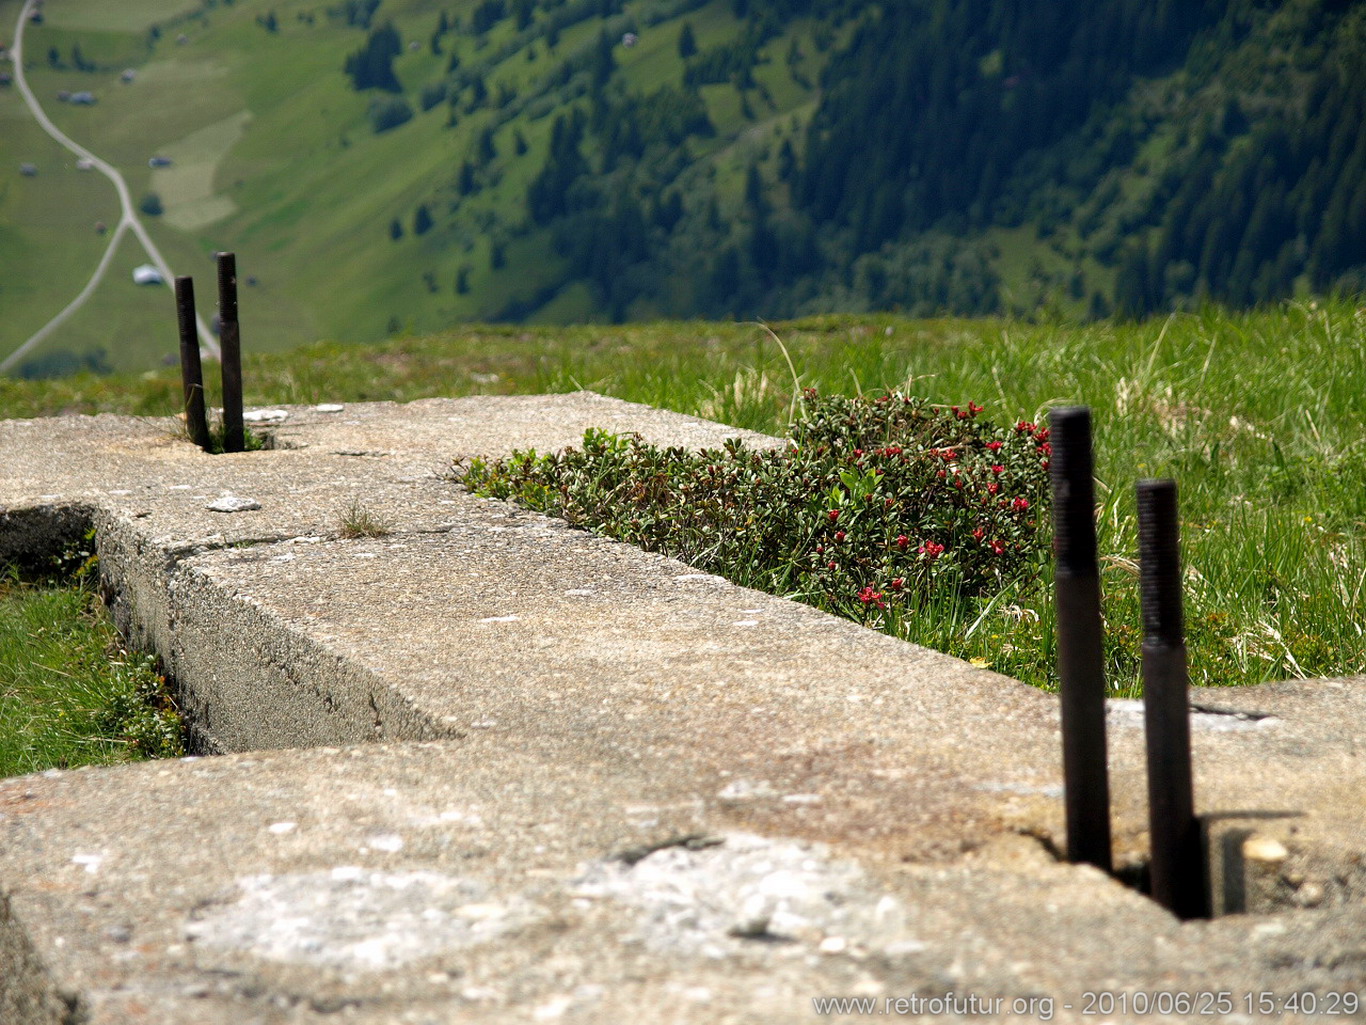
605, 785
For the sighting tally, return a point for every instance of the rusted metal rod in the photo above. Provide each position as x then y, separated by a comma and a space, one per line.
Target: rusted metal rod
1177, 864
230, 339
1081, 665
191, 370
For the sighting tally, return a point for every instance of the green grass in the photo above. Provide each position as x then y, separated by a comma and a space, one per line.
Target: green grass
125, 16
1259, 416
69, 693
187, 187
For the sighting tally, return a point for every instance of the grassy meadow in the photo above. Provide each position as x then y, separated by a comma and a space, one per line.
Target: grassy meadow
1258, 416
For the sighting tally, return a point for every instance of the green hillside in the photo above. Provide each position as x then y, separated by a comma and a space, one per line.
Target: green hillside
392, 166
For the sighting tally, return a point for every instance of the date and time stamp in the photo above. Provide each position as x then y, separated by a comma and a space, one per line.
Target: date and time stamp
1217, 1004
1211, 1005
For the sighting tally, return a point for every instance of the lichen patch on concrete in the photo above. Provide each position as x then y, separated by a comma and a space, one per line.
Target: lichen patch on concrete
711, 896
356, 920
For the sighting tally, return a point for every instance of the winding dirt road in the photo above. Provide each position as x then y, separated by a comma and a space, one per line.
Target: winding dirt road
127, 222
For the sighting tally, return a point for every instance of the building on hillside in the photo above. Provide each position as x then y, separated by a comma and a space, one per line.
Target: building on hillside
159, 161
128, 75
83, 99
85, 164
146, 274
28, 170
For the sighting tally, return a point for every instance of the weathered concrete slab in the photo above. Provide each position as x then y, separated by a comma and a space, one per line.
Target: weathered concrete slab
473, 881
518, 626
564, 698
379, 454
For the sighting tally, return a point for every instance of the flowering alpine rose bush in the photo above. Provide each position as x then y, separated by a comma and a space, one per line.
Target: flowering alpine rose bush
877, 506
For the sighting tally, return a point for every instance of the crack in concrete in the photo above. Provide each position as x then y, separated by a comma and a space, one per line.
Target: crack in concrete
1236, 713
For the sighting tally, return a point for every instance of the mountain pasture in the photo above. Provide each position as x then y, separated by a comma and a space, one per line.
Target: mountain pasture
275, 157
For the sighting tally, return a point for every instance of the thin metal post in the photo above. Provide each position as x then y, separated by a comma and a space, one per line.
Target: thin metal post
191, 371
1177, 864
230, 339
1081, 665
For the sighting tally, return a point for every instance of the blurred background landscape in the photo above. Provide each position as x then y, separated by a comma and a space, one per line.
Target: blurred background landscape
392, 167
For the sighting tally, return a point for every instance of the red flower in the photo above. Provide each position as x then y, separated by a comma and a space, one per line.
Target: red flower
998, 468
1024, 426
834, 514
897, 584
870, 597
1046, 448
840, 535
1020, 504
1041, 434
993, 488
858, 453
831, 564
942, 474
994, 446
997, 547
902, 541
977, 535
888, 502
931, 551
974, 408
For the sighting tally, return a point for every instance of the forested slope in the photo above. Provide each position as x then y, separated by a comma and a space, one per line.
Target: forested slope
403, 165
987, 155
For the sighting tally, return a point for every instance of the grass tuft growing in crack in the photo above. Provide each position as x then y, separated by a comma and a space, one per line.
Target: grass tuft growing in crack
253, 441
358, 521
